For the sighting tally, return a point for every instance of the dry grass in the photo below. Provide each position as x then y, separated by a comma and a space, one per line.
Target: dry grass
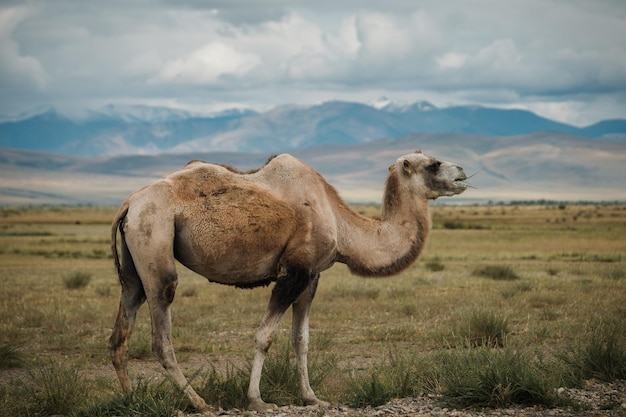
570, 264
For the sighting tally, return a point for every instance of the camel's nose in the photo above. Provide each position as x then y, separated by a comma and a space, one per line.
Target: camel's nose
461, 174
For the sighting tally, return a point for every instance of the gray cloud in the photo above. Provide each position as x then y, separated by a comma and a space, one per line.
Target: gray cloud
564, 59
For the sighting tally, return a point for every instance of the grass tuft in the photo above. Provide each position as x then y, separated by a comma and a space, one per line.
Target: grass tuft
369, 390
54, 389
11, 356
494, 378
157, 400
602, 352
77, 280
480, 327
434, 264
226, 391
497, 272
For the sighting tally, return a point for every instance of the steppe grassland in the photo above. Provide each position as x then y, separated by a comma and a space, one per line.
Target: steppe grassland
570, 261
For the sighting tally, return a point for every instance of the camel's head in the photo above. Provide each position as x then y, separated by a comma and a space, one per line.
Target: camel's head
430, 177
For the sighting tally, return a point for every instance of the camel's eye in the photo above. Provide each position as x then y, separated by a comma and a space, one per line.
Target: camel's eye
434, 167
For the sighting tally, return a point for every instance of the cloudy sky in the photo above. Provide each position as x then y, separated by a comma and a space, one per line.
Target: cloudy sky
563, 59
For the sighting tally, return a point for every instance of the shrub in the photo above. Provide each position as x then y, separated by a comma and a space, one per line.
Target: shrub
497, 272
77, 280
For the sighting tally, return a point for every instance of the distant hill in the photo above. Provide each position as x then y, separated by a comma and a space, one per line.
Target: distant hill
541, 165
142, 130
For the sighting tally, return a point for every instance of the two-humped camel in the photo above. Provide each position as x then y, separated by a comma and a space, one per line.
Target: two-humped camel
281, 223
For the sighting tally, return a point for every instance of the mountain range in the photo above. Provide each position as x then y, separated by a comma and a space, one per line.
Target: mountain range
118, 130
100, 158
541, 165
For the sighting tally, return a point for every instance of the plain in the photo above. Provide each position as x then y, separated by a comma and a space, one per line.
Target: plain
521, 277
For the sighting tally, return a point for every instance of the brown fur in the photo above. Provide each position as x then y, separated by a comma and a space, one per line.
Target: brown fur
282, 222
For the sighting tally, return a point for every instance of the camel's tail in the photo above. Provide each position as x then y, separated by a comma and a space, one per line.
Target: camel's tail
117, 225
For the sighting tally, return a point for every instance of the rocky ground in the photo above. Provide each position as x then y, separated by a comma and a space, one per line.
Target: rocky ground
595, 399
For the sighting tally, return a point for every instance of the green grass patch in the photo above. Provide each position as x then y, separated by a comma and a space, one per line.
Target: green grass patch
434, 264
51, 390
497, 272
158, 400
11, 356
601, 353
481, 327
77, 280
397, 375
565, 276
226, 390
455, 225
487, 377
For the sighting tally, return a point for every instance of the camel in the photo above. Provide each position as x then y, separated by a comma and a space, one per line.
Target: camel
281, 223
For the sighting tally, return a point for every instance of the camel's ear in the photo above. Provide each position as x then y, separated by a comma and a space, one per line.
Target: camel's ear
392, 168
407, 166
418, 151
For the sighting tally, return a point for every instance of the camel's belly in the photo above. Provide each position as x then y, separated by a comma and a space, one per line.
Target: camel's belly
233, 265
236, 247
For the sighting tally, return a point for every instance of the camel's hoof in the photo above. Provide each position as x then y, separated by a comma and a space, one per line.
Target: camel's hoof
212, 412
204, 408
261, 406
317, 403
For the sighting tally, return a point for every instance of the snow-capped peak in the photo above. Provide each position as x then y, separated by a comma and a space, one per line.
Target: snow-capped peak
385, 104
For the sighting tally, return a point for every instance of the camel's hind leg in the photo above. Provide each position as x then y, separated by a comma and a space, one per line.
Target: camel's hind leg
160, 295
154, 260
285, 292
300, 341
132, 297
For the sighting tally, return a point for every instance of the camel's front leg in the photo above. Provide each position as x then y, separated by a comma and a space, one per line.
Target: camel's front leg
285, 292
262, 342
300, 341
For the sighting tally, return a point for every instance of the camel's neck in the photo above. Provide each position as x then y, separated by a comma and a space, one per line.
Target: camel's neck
387, 246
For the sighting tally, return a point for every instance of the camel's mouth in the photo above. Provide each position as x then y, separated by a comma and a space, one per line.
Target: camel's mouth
458, 184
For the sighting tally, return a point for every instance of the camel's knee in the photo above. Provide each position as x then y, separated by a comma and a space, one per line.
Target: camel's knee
121, 330
168, 290
116, 341
263, 340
